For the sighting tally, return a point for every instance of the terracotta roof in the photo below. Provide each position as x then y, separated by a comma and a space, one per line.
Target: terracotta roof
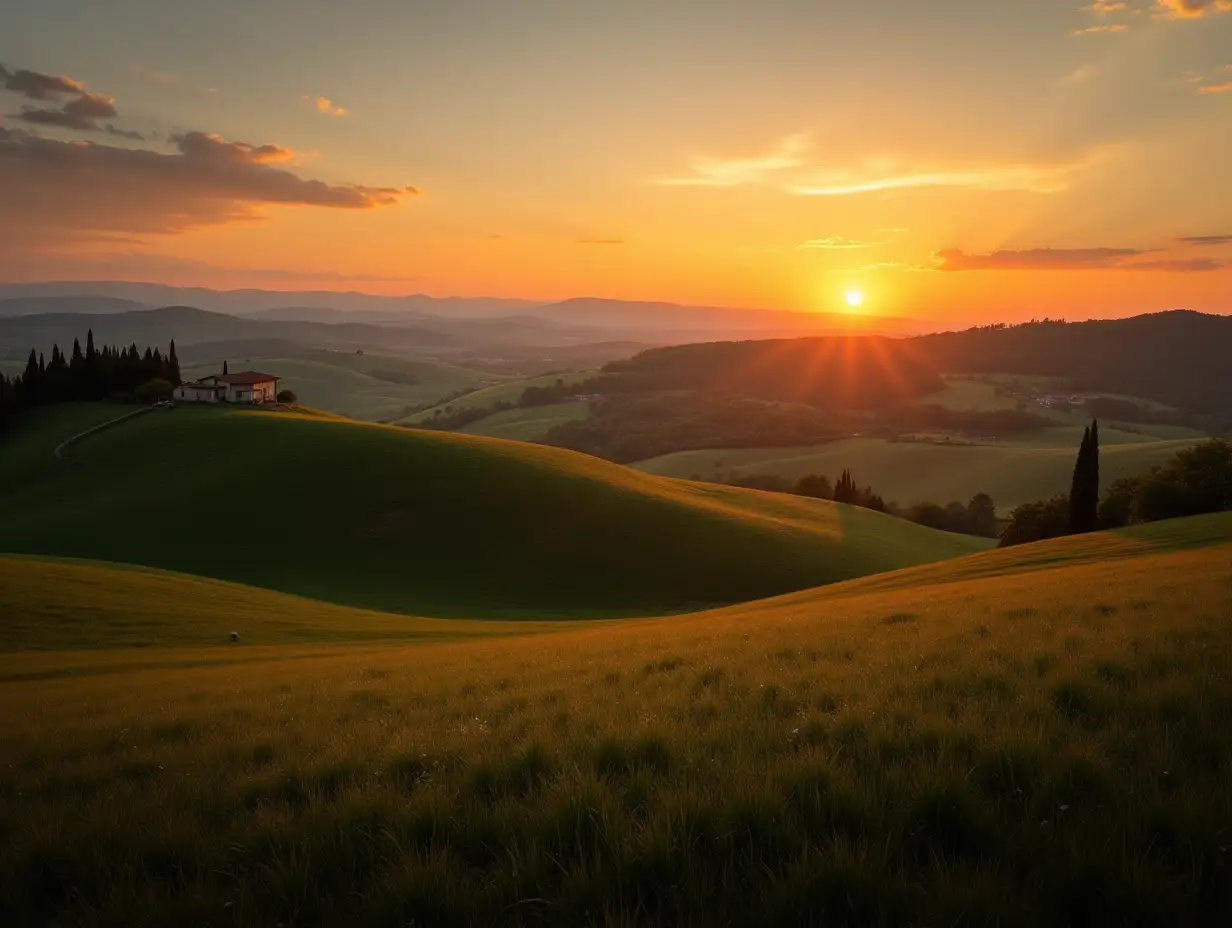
246, 378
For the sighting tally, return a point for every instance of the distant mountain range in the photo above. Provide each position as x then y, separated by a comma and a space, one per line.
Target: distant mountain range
591, 318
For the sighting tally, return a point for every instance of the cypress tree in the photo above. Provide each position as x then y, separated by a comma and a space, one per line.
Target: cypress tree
224, 368
1093, 475
173, 366
90, 345
1084, 488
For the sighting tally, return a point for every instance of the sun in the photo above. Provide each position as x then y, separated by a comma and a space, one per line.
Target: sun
855, 299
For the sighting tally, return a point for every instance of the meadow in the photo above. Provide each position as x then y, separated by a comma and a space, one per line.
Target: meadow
488, 397
362, 386
406, 520
1019, 737
528, 424
1013, 470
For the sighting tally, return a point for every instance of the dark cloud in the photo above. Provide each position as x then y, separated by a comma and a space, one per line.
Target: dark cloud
1037, 259
52, 192
38, 86
1206, 239
80, 113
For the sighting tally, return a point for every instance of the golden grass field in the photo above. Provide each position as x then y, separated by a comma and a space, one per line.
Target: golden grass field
1035, 736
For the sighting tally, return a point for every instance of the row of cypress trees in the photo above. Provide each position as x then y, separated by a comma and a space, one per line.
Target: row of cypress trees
83, 375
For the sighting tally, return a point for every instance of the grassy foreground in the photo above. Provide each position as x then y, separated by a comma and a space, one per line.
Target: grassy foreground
423, 522
1027, 737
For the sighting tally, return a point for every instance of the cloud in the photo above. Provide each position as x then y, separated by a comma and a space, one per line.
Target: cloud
326, 106
601, 241
732, 172
1105, 7
1216, 88
80, 113
1038, 259
1191, 9
1105, 28
1182, 265
1203, 240
39, 86
1031, 178
836, 241
56, 192
1069, 259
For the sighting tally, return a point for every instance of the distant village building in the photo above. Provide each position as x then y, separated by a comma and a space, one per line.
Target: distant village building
250, 387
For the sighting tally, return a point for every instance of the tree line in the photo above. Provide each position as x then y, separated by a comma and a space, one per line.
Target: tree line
978, 517
1195, 481
92, 373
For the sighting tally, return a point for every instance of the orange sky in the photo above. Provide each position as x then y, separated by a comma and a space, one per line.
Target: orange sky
957, 161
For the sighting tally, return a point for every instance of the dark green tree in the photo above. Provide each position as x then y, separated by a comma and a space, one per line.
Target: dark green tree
173, 366
224, 368
814, 485
1084, 488
1037, 521
982, 516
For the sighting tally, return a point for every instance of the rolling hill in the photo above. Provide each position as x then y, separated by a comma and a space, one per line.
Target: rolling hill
486, 398
1012, 471
424, 522
1021, 737
363, 386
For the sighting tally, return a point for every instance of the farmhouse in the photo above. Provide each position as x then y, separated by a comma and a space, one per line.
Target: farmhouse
244, 387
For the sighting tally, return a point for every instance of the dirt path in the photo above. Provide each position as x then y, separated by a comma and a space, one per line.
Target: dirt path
63, 446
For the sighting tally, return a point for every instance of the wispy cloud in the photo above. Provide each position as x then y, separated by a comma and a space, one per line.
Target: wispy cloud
1216, 88
710, 171
836, 242
326, 106
787, 169
1069, 259
1204, 240
601, 241
1031, 178
1191, 9
1036, 259
1105, 7
1103, 28
1180, 265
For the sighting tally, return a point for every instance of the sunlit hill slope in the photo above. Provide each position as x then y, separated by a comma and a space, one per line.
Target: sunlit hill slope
425, 522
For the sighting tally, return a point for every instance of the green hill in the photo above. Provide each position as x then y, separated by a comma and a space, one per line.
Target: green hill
527, 424
1033, 736
425, 522
1012, 471
64, 604
362, 386
488, 397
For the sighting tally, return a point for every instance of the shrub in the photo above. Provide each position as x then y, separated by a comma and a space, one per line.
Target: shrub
287, 396
154, 390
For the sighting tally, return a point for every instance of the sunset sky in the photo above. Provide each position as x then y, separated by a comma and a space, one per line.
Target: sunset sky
955, 160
